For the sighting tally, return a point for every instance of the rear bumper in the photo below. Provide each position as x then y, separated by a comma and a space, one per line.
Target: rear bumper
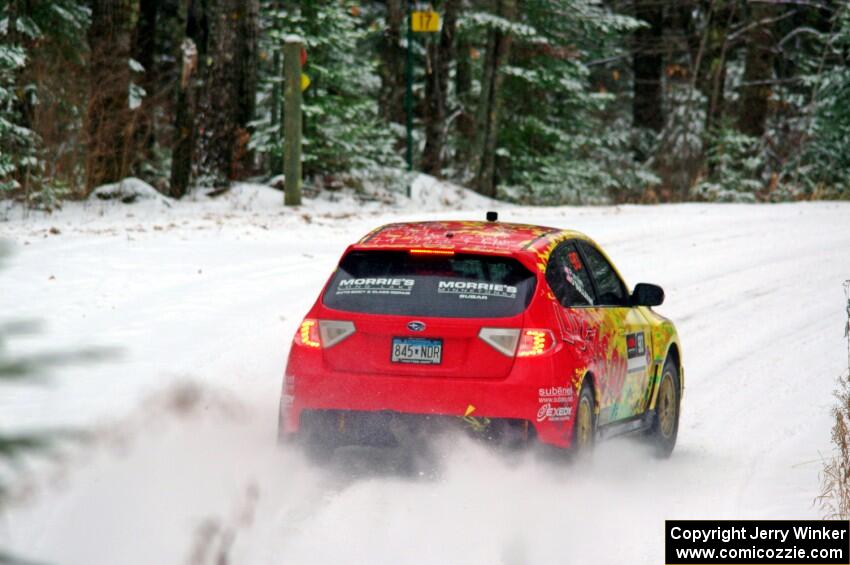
391, 429
548, 408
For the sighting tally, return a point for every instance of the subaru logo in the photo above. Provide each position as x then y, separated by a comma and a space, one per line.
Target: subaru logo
416, 326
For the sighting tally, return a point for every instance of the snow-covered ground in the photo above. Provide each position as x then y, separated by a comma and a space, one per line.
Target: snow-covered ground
203, 297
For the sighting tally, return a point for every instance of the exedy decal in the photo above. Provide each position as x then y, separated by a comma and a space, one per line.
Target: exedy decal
553, 413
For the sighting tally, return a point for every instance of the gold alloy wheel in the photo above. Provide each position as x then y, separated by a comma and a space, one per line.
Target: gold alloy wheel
584, 422
667, 406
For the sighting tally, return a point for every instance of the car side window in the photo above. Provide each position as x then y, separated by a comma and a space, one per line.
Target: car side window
568, 278
610, 290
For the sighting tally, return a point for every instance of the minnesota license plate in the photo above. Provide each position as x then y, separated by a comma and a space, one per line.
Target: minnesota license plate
417, 350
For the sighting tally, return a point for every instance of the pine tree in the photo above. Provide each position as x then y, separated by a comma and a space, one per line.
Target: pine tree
25, 27
553, 143
344, 130
18, 370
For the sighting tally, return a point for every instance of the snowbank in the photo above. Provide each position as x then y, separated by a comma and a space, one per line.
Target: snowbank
432, 195
135, 207
128, 191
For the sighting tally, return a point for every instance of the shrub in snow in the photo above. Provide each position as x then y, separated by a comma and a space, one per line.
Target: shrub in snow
127, 191
735, 163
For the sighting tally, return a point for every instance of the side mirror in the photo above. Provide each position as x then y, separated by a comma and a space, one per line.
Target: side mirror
646, 294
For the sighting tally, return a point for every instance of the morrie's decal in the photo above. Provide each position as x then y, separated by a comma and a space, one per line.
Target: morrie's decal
472, 289
370, 285
636, 351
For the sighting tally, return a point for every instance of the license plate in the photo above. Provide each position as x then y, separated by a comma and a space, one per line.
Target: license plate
418, 350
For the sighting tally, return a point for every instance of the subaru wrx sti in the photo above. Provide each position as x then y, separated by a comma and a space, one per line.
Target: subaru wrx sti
515, 331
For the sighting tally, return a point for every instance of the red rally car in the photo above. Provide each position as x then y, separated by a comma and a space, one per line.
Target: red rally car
513, 330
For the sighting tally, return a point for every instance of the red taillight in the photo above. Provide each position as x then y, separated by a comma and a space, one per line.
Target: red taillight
534, 342
522, 343
308, 334
322, 333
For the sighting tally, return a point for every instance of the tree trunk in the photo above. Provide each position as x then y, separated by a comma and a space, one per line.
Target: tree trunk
712, 74
647, 104
222, 108
144, 49
191, 43
144, 43
487, 118
248, 79
108, 112
275, 159
440, 54
758, 69
392, 64
463, 69
464, 122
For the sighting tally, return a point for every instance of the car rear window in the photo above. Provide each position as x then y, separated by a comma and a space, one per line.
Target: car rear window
457, 286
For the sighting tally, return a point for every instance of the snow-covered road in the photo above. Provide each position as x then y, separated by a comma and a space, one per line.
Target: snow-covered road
214, 300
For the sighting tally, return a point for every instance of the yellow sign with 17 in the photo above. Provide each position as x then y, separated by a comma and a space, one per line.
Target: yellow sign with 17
425, 22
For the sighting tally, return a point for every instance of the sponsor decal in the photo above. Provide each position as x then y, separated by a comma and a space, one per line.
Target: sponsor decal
578, 284
555, 403
574, 260
636, 345
553, 413
555, 391
378, 285
636, 351
476, 290
557, 394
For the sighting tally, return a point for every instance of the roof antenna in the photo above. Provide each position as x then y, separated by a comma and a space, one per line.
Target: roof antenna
492, 216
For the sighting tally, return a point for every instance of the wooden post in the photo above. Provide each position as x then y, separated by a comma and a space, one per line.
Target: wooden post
292, 121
